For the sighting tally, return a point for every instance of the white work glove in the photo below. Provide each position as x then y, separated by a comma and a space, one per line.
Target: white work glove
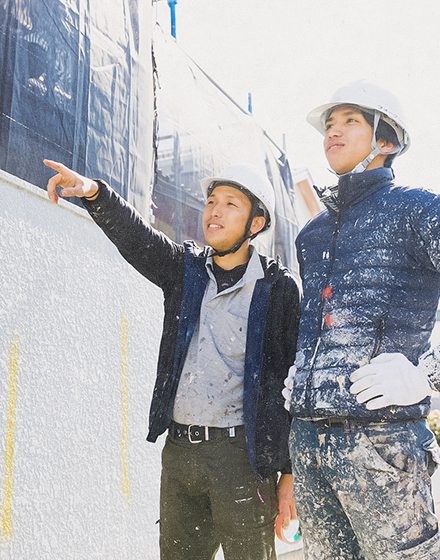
287, 391
389, 379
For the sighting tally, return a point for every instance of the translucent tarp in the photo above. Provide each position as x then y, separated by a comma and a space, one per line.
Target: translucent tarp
200, 132
76, 86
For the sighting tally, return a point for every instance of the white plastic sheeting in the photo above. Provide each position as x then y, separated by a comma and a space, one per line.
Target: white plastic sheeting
76, 86
200, 132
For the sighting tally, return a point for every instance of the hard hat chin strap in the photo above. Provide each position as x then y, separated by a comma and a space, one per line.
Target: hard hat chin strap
247, 235
234, 249
362, 166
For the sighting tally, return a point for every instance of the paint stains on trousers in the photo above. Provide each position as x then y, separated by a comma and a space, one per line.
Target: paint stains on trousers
365, 495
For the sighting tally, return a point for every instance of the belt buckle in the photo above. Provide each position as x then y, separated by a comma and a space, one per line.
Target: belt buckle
349, 427
191, 440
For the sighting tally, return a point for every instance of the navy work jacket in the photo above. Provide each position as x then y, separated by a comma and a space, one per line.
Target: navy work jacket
370, 265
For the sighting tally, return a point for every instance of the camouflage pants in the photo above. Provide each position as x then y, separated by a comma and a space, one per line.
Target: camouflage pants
365, 495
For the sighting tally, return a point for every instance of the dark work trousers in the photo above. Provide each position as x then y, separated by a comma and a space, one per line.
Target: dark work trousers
210, 495
365, 493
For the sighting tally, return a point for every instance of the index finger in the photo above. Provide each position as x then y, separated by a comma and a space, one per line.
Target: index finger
63, 178
363, 384
53, 164
279, 530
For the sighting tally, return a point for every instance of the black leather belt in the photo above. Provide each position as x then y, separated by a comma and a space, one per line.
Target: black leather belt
196, 434
350, 426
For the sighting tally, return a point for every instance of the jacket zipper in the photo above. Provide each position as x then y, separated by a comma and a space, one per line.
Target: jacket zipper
321, 314
378, 341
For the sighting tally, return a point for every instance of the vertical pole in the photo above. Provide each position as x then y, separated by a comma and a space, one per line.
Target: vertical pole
250, 103
177, 170
172, 5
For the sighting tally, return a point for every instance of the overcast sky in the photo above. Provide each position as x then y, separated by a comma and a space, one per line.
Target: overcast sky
292, 55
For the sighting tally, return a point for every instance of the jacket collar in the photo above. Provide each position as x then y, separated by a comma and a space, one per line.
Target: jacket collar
271, 267
353, 188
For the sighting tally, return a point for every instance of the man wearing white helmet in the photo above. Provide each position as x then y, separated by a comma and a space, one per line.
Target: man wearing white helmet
359, 391
229, 334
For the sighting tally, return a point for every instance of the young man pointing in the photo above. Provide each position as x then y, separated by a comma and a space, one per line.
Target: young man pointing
229, 335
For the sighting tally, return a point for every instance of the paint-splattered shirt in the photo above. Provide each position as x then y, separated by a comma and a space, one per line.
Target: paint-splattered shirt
210, 391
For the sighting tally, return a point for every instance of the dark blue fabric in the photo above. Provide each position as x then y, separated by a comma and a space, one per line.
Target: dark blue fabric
370, 269
365, 494
76, 95
266, 422
254, 361
194, 283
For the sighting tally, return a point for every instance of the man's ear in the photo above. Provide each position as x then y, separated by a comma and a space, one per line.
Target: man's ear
385, 147
257, 224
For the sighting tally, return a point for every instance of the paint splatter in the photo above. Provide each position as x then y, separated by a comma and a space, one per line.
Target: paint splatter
13, 356
341, 381
327, 293
329, 321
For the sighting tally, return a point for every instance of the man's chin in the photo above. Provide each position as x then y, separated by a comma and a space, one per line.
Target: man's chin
219, 248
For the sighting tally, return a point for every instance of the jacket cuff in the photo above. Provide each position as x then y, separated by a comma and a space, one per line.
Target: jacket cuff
287, 469
102, 185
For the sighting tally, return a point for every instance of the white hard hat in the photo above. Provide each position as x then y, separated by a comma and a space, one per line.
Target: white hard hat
373, 99
249, 179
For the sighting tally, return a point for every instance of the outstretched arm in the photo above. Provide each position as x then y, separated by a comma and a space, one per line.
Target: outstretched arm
149, 251
71, 183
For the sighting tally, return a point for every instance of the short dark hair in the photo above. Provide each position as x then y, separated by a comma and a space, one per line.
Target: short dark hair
384, 132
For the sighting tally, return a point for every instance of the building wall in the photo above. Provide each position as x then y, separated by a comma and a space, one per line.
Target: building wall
79, 334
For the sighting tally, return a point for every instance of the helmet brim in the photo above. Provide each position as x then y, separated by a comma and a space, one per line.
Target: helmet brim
317, 117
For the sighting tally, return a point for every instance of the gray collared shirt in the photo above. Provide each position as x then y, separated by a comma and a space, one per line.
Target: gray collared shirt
210, 391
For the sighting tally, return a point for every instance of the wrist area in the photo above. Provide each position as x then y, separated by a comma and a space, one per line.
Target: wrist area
95, 187
98, 187
287, 468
